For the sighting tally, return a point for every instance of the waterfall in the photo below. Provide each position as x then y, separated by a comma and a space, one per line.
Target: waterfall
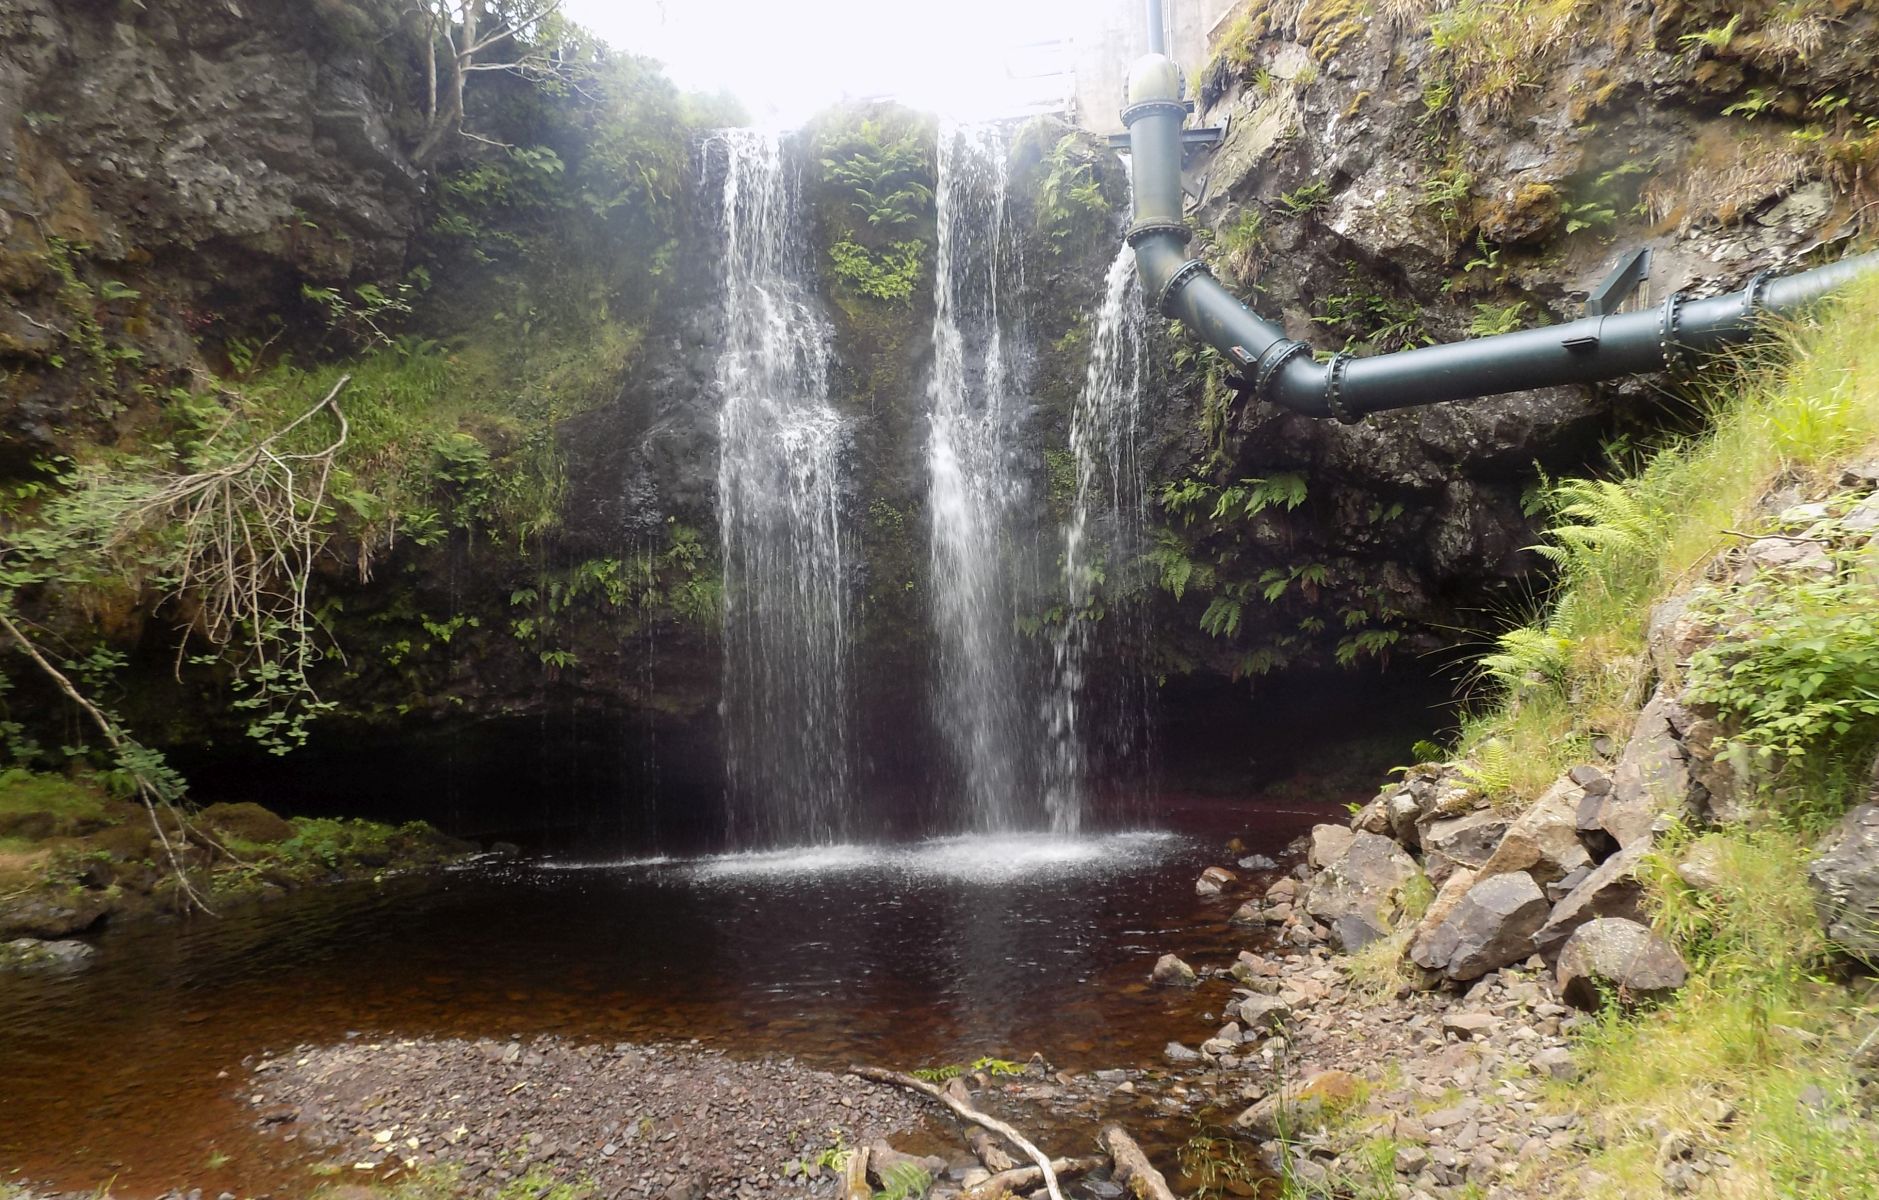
1101, 543
785, 544
976, 490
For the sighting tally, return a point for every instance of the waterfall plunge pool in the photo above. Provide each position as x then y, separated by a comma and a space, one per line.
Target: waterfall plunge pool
920, 954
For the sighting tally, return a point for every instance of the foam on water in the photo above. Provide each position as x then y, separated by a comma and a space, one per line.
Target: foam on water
967, 859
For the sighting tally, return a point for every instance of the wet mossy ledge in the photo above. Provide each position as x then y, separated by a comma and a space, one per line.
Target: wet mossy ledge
75, 853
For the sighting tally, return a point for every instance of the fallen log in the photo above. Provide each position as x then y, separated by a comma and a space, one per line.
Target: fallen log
1005, 1183
1132, 1168
990, 1152
965, 1110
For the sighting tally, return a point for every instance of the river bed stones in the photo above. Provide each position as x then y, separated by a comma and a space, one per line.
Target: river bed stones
1170, 971
1213, 881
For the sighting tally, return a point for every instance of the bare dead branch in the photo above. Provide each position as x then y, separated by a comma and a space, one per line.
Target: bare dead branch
1044, 1167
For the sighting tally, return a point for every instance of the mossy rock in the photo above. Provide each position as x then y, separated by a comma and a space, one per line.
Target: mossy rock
1528, 215
245, 822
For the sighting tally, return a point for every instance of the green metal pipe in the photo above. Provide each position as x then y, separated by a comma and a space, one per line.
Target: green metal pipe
1283, 371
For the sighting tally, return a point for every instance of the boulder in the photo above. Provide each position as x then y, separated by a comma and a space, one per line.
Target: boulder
1214, 880
1170, 971
1328, 844
1612, 889
1492, 926
1374, 817
1179, 1054
1676, 633
1465, 841
1351, 932
48, 915
1302, 1107
1403, 811
1258, 862
1555, 1062
29, 954
1616, 956
1845, 875
1652, 777
1284, 890
1365, 884
1248, 913
246, 822
1783, 556
1703, 869
1562, 887
1544, 840
1446, 898
1263, 1014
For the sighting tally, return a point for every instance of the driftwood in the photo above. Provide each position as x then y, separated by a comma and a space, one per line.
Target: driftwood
965, 1110
855, 1176
990, 1152
1004, 1183
1132, 1168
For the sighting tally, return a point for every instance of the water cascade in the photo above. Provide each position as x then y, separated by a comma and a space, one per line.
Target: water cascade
1102, 540
976, 491
787, 635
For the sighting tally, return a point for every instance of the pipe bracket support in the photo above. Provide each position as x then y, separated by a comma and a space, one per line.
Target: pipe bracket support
1182, 274
1150, 226
1334, 389
1150, 108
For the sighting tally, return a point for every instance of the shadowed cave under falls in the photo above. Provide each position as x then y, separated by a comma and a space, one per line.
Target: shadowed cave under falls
1011, 712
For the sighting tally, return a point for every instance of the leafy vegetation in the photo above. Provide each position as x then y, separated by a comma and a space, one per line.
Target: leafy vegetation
1071, 207
889, 275
889, 172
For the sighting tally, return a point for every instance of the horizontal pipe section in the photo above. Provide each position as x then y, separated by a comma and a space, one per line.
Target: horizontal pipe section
1283, 371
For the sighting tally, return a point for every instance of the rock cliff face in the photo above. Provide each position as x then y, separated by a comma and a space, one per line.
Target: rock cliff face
207, 157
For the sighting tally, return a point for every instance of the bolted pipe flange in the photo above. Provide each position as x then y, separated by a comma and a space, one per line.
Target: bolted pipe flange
1669, 333
1334, 389
1177, 281
1753, 294
1150, 226
1150, 108
1272, 362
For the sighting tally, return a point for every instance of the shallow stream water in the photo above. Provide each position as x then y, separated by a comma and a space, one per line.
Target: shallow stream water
923, 954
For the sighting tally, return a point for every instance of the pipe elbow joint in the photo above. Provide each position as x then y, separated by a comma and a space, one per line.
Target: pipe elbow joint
1153, 78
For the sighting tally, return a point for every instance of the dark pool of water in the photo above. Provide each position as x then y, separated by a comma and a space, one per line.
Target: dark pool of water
930, 954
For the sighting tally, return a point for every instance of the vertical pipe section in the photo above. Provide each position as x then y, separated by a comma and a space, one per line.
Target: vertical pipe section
1157, 29
1283, 371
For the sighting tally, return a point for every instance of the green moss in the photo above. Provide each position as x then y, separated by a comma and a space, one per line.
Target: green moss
69, 802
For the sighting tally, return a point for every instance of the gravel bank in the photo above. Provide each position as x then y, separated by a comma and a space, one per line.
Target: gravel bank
635, 1120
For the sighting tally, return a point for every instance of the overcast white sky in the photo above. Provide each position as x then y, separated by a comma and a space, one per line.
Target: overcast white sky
787, 59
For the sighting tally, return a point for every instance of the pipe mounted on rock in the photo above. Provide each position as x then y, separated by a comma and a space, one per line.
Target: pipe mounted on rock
1281, 370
